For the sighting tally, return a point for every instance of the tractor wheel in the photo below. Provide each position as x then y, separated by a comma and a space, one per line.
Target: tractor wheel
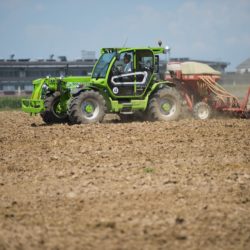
53, 112
202, 111
87, 107
164, 105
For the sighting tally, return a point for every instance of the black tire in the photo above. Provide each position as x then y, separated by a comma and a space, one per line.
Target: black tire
202, 111
52, 113
164, 105
87, 107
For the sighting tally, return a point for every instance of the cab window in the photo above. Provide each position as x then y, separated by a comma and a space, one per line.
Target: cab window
124, 64
145, 61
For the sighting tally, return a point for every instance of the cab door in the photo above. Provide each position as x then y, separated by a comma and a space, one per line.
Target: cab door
144, 69
134, 82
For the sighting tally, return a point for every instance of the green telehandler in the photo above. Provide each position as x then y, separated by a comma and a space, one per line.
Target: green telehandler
111, 88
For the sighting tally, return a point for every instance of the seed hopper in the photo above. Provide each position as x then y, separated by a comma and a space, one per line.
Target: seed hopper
198, 86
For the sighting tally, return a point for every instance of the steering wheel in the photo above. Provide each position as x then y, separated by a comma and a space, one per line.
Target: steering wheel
115, 70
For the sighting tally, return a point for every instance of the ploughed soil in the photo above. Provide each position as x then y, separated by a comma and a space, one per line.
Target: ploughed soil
138, 185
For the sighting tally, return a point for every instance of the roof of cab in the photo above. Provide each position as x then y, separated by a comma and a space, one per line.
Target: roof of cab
155, 50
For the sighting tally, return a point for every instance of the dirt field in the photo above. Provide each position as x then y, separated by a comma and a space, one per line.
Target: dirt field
140, 185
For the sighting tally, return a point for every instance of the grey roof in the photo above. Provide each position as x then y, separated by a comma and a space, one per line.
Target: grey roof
45, 64
244, 65
187, 59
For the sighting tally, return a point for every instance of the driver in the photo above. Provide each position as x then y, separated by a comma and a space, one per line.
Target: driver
128, 64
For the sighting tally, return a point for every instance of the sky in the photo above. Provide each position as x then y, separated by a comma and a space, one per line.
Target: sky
199, 29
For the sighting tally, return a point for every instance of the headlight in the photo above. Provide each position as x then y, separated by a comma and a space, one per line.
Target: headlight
44, 90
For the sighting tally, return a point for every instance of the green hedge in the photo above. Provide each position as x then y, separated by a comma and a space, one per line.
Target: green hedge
10, 102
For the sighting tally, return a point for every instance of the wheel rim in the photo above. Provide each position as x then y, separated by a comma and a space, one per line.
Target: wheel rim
203, 112
167, 106
58, 110
90, 109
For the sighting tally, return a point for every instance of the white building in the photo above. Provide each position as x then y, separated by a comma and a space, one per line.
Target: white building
244, 67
